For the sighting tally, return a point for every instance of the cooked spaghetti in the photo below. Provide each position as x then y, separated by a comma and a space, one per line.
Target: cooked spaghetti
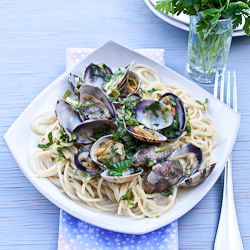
56, 161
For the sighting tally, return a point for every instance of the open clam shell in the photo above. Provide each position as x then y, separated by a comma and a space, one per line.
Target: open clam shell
198, 177
154, 118
179, 109
75, 83
95, 75
158, 137
84, 163
97, 145
122, 179
98, 94
68, 119
187, 149
85, 130
129, 87
117, 81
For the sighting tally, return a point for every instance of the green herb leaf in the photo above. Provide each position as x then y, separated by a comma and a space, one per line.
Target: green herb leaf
203, 104
151, 91
128, 197
85, 178
153, 107
122, 165
66, 94
47, 144
168, 192
161, 149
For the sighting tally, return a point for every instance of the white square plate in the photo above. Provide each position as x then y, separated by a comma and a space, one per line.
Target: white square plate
20, 140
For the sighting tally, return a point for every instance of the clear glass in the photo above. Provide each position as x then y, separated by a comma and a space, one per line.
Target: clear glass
208, 49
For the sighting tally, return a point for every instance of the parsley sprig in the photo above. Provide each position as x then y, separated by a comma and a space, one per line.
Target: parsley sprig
212, 11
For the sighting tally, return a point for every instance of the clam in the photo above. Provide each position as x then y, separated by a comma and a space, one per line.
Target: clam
105, 146
177, 108
198, 177
95, 103
162, 176
152, 154
117, 82
84, 162
146, 135
131, 87
75, 83
153, 114
67, 117
127, 176
91, 130
96, 74
192, 155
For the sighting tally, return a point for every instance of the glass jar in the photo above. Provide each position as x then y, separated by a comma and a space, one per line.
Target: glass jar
208, 49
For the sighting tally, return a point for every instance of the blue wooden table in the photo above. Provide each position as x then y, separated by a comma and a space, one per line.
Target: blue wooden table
33, 41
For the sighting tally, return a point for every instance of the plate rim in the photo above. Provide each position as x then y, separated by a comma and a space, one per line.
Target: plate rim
101, 223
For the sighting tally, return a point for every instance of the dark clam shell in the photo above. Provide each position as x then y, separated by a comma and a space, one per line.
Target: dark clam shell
147, 118
148, 154
162, 176
75, 83
85, 130
95, 76
120, 84
198, 177
181, 114
161, 138
95, 170
134, 96
125, 91
68, 119
186, 149
87, 89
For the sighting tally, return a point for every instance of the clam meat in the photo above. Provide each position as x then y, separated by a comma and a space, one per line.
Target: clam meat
146, 135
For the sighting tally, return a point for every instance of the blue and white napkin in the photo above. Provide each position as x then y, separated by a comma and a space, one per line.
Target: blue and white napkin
75, 234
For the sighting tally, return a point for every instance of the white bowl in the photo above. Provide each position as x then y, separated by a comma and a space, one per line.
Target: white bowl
20, 140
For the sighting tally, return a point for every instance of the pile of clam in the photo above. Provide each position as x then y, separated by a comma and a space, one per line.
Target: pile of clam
91, 123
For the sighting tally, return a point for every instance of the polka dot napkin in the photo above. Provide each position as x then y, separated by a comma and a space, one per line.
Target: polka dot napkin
75, 234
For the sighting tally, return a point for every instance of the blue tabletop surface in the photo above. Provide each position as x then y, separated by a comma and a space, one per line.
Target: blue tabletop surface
33, 41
